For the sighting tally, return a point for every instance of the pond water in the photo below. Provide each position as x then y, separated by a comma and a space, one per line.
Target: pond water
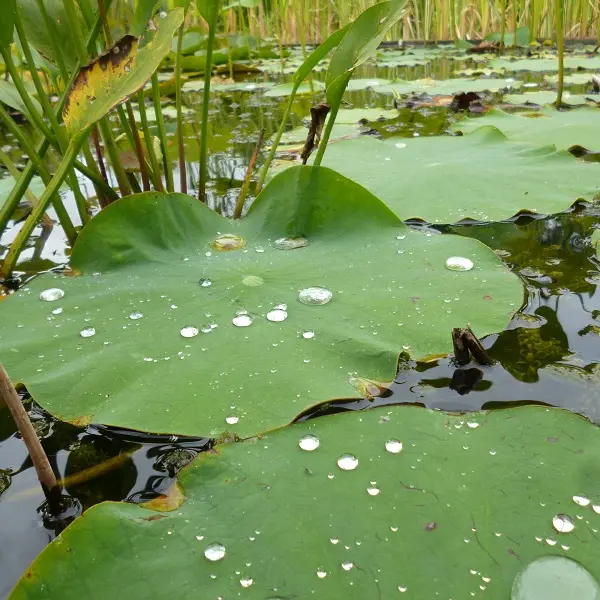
550, 353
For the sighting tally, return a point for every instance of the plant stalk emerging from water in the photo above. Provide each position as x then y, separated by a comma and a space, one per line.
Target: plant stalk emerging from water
560, 42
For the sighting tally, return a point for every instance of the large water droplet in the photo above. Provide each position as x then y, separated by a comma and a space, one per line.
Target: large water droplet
52, 294
308, 335
205, 282
215, 552
232, 420
246, 581
393, 446
321, 573
581, 500
315, 296
402, 588
277, 315
243, 320
459, 263
87, 332
554, 578
373, 490
309, 442
189, 331
347, 462
253, 280
228, 242
347, 565
134, 316
563, 523
290, 243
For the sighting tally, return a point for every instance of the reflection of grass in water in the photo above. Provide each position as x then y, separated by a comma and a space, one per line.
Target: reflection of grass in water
524, 351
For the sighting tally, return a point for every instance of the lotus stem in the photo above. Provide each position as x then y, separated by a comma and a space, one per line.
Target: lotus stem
162, 133
156, 176
180, 144
113, 153
561, 51
9, 396
138, 147
239, 207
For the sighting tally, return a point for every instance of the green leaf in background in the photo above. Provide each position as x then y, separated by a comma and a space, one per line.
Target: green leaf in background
549, 126
144, 11
287, 89
208, 9
544, 97
522, 35
383, 504
445, 87
116, 75
482, 176
38, 37
153, 276
359, 43
546, 64
7, 23
10, 96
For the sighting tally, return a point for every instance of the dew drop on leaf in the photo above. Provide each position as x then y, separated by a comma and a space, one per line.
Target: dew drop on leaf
308, 335
581, 500
290, 243
228, 242
277, 315
373, 491
243, 320
347, 462
214, 552
252, 281
52, 294
189, 331
321, 573
309, 442
393, 446
205, 282
87, 332
563, 523
134, 316
246, 581
402, 588
315, 296
347, 565
232, 420
57, 311
459, 263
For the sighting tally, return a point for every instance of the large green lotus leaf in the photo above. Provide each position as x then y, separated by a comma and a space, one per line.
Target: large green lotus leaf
563, 129
481, 176
545, 64
146, 255
118, 74
286, 89
443, 87
572, 78
458, 508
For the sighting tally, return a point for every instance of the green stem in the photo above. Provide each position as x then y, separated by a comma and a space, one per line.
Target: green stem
205, 107
27, 146
40, 208
282, 127
180, 144
138, 147
560, 42
239, 207
502, 26
326, 134
113, 154
156, 178
162, 132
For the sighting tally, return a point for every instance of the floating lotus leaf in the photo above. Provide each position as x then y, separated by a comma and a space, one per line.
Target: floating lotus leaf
544, 97
563, 129
481, 176
146, 337
444, 87
545, 64
389, 503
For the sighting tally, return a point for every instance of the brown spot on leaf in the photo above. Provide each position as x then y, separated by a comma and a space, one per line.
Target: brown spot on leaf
431, 526
83, 421
487, 298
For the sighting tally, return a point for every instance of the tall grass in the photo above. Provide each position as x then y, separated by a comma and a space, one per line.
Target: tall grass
311, 21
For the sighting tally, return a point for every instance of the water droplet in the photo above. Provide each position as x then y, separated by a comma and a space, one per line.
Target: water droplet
315, 296
459, 263
215, 552
393, 446
581, 500
308, 335
347, 462
232, 420
259, 249
373, 491
246, 581
87, 332
554, 578
309, 442
401, 237
134, 316
473, 424
253, 280
205, 282
334, 541
563, 523
162, 14
207, 328
277, 315
52, 294
290, 243
227, 242
57, 311
347, 565
400, 145
242, 320
321, 573
189, 331
402, 588
596, 508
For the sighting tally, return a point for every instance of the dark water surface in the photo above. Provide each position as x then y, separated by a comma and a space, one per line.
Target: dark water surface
550, 352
